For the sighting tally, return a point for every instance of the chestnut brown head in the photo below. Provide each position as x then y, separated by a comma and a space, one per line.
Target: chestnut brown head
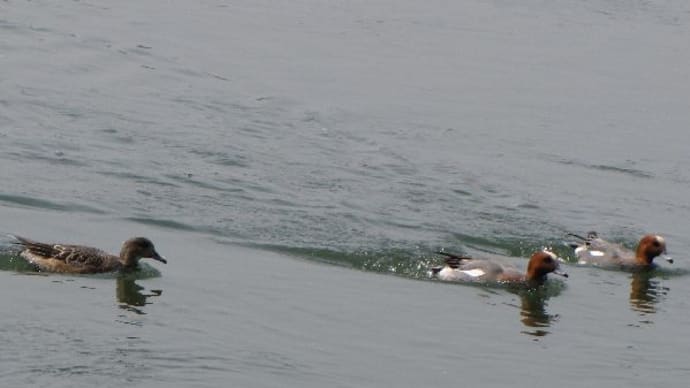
542, 263
651, 246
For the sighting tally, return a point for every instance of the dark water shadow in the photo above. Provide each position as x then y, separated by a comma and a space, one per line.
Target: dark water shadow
534, 316
133, 297
646, 292
533, 312
10, 261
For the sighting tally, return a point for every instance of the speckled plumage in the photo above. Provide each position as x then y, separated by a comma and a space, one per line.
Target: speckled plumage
67, 258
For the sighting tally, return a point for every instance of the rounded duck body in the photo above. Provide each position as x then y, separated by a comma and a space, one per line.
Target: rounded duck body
596, 251
67, 258
466, 269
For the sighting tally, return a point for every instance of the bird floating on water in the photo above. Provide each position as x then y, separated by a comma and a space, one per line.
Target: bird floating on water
594, 250
467, 269
65, 258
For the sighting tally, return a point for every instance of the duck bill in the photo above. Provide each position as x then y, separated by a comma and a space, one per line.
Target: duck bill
558, 270
560, 273
667, 258
158, 257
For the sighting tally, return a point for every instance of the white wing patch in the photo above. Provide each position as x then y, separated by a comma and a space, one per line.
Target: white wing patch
596, 253
475, 273
553, 255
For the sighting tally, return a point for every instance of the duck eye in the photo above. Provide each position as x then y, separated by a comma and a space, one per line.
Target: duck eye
655, 243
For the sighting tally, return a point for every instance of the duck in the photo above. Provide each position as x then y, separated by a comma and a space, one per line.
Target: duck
592, 249
79, 259
467, 269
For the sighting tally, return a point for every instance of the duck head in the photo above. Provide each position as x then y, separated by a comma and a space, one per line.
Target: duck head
651, 246
139, 248
542, 263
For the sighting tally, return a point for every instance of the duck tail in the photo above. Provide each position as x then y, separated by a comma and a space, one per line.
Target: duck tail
452, 260
33, 246
577, 236
452, 255
584, 240
19, 240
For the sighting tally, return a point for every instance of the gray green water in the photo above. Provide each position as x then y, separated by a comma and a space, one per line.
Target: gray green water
299, 163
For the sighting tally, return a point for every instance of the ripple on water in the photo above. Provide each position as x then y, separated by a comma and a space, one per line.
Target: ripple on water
175, 225
626, 170
136, 178
32, 202
85, 356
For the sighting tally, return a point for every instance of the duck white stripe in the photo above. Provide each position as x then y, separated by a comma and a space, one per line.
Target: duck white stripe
475, 273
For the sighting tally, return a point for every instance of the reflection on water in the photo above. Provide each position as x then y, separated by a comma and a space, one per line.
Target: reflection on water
645, 292
533, 313
133, 297
535, 318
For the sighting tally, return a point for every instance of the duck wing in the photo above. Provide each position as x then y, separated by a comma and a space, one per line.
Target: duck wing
74, 255
602, 252
489, 269
584, 241
81, 256
454, 261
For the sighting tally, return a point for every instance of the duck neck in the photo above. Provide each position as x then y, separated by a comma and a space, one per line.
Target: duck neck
643, 258
128, 258
535, 280
534, 276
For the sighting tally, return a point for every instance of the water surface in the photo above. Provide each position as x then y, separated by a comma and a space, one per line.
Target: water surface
299, 164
